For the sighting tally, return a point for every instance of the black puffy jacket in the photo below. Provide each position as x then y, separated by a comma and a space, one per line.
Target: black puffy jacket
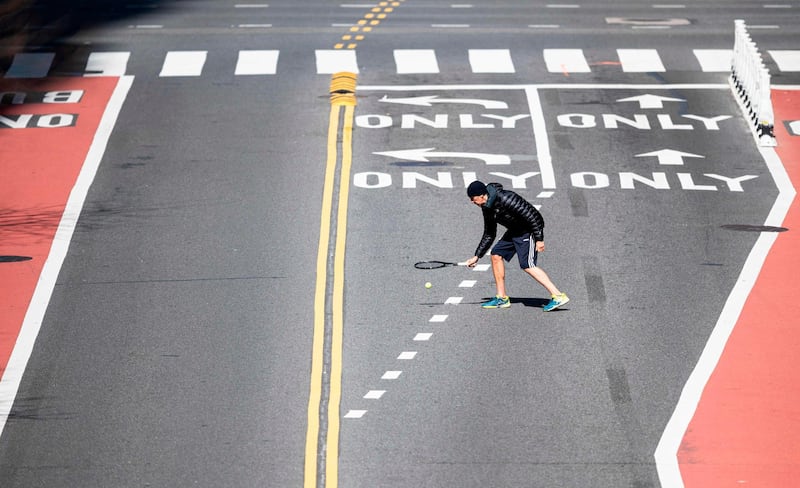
510, 210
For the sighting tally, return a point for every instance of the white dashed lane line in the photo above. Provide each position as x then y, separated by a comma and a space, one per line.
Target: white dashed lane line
394, 374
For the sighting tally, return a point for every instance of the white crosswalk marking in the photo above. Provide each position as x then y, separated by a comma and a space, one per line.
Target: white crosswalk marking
566, 61
413, 61
786, 60
107, 64
491, 61
640, 60
714, 60
257, 63
183, 63
331, 61
30, 65
407, 61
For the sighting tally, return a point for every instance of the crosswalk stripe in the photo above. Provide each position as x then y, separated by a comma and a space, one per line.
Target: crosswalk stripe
413, 61
257, 63
491, 61
640, 60
30, 65
107, 64
331, 61
566, 61
714, 60
183, 63
786, 60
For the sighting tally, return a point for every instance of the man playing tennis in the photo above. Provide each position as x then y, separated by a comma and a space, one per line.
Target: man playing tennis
524, 237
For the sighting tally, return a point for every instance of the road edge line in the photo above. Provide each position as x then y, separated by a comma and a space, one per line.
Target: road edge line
666, 454
34, 316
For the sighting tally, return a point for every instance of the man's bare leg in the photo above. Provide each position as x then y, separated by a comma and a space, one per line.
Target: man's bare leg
499, 270
539, 275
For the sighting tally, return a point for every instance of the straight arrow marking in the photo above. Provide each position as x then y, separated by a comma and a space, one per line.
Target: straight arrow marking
670, 157
650, 101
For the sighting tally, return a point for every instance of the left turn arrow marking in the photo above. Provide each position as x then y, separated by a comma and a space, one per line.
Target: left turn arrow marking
423, 154
426, 101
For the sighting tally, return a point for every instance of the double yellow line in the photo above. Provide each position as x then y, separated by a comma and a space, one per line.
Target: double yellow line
322, 434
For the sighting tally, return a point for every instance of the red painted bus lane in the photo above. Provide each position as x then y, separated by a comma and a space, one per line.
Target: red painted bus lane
49, 130
746, 428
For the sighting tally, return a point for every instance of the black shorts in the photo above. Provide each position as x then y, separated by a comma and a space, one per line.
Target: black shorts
523, 245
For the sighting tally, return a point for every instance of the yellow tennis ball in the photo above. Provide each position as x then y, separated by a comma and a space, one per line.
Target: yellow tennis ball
428, 284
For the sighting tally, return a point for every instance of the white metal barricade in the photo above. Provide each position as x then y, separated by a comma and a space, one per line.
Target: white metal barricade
750, 82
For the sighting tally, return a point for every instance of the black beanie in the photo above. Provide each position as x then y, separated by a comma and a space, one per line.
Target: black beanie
475, 189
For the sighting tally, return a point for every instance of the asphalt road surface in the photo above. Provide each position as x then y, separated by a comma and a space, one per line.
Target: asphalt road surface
238, 305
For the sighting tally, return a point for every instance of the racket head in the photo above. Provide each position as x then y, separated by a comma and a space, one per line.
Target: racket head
433, 264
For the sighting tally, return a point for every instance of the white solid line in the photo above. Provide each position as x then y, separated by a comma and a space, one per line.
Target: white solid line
467, 284
776, 6
542, 146
666, 454
714, 60
391, 375
438, 318
257, 63
251, 5
414, 61
640, 60
374, 394
32, 323
560, 5
355, 414
565, 60
544, 26
449, 26
461, 5
786, 60
423, 336
553, 86
405, 355
763, 26
146, 26
331, 61
30, 65
253, 26
490, 61
453, 300
183, 63
107, 64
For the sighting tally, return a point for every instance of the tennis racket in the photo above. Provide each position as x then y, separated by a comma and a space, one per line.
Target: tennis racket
436, 264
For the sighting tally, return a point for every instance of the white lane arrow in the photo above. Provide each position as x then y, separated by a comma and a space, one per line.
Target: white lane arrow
426, 101
423, 154
650, 101
670, 156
